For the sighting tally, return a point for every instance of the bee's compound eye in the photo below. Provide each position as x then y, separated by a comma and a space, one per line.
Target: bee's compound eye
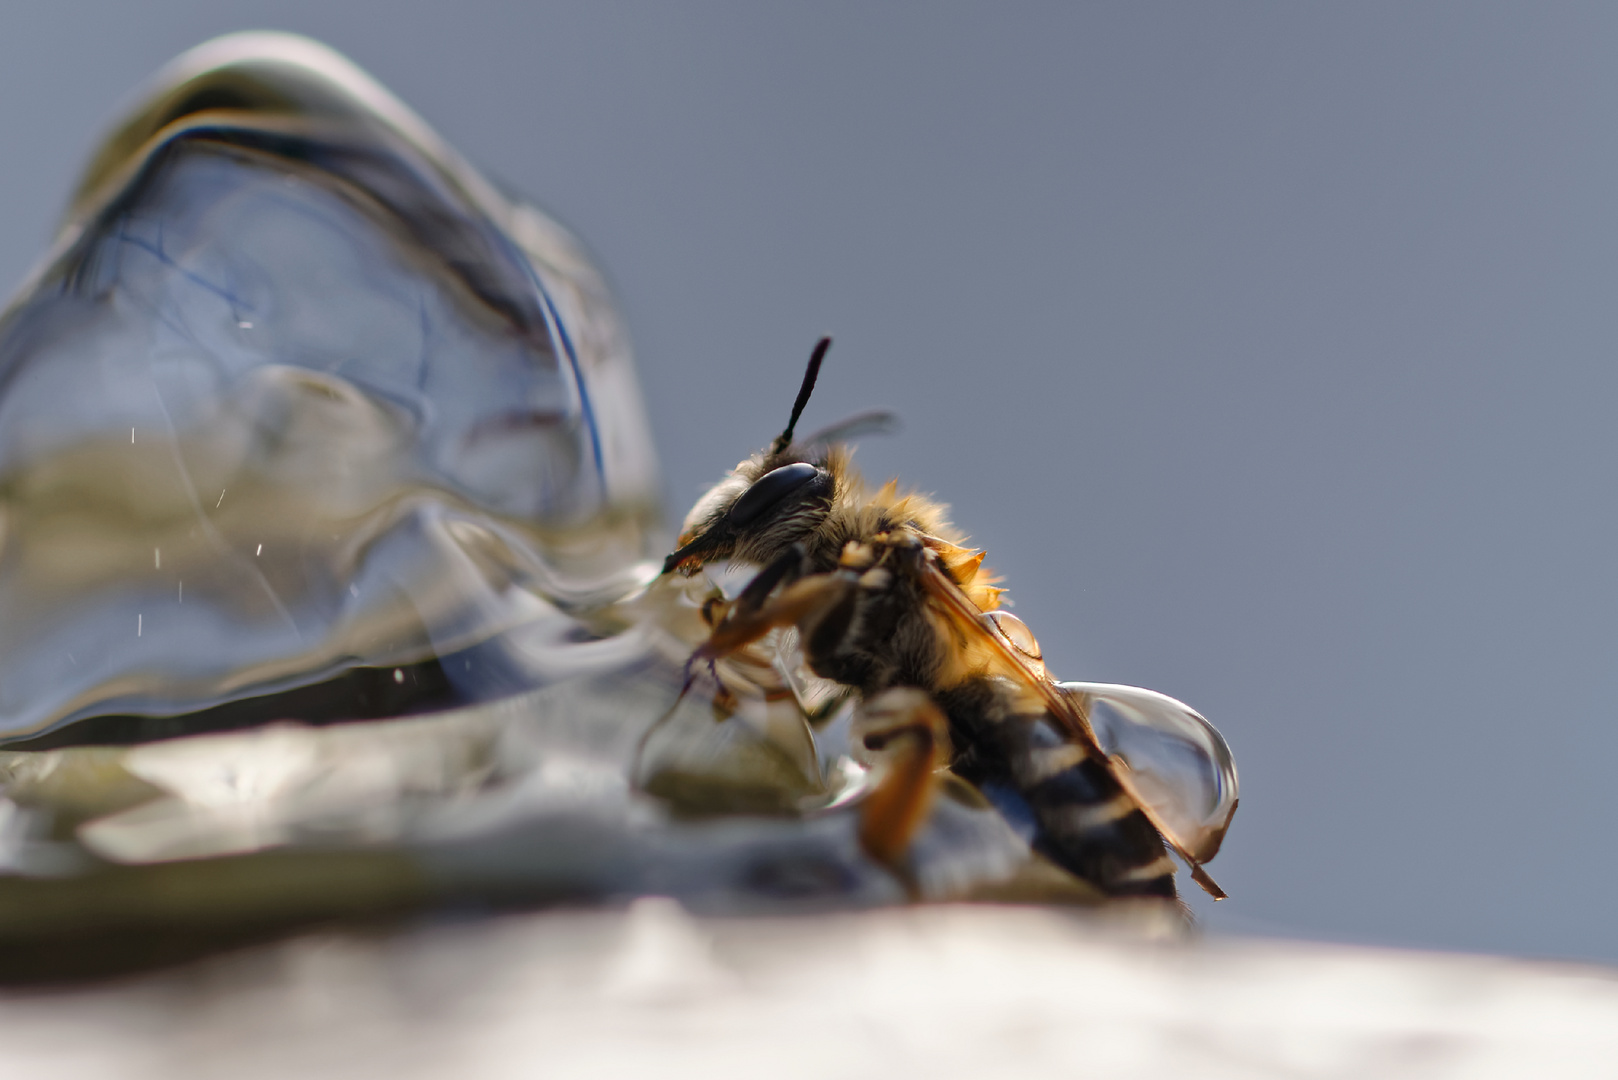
770, 489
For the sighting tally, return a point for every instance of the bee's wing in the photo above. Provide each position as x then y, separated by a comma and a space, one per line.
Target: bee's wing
1169, 808
875, 422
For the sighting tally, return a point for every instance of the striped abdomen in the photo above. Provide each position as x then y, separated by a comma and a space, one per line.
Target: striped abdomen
1081, 820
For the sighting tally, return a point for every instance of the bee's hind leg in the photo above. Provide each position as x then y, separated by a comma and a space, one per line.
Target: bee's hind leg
909, 737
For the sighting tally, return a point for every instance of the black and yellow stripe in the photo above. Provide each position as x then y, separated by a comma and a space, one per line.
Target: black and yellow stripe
1081, 820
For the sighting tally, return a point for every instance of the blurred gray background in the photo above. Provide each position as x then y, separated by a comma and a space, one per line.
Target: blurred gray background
1268, 348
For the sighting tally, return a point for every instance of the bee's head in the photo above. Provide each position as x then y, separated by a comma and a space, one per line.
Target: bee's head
767, 503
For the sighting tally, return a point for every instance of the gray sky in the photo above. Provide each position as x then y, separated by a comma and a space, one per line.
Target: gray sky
1268, 348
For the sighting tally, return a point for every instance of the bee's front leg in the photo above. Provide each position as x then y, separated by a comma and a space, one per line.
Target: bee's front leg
717, 611
785, 570
745, 624
909, 736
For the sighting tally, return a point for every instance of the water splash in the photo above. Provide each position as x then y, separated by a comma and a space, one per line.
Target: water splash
377, 415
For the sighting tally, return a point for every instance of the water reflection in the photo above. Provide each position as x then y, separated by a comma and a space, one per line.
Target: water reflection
299, 409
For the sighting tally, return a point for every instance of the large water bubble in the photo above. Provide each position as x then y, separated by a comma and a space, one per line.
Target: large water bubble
298, 417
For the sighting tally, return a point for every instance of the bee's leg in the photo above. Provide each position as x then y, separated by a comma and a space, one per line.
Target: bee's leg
910, 736
802, 599
716, 612
785, 570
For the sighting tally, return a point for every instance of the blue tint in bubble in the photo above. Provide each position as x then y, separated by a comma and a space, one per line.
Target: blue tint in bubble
300, 400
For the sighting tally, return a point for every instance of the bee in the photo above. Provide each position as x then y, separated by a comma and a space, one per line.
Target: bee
889, 601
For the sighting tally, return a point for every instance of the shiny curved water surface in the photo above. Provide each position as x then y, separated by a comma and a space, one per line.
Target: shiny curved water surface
1178, 763
298, 404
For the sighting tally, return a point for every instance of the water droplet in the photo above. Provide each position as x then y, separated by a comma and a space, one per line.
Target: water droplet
1021, 638
1178, 762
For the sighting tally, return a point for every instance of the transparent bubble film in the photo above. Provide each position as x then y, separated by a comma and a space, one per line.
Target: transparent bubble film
290, 408
328, 556
1177, 761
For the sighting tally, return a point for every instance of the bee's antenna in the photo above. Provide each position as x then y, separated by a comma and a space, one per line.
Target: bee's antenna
784, 440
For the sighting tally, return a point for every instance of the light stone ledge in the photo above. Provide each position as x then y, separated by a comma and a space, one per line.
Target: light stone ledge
968, 991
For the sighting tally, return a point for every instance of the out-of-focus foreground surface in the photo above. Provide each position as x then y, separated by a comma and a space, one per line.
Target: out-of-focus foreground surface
941, 992
1266, 348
